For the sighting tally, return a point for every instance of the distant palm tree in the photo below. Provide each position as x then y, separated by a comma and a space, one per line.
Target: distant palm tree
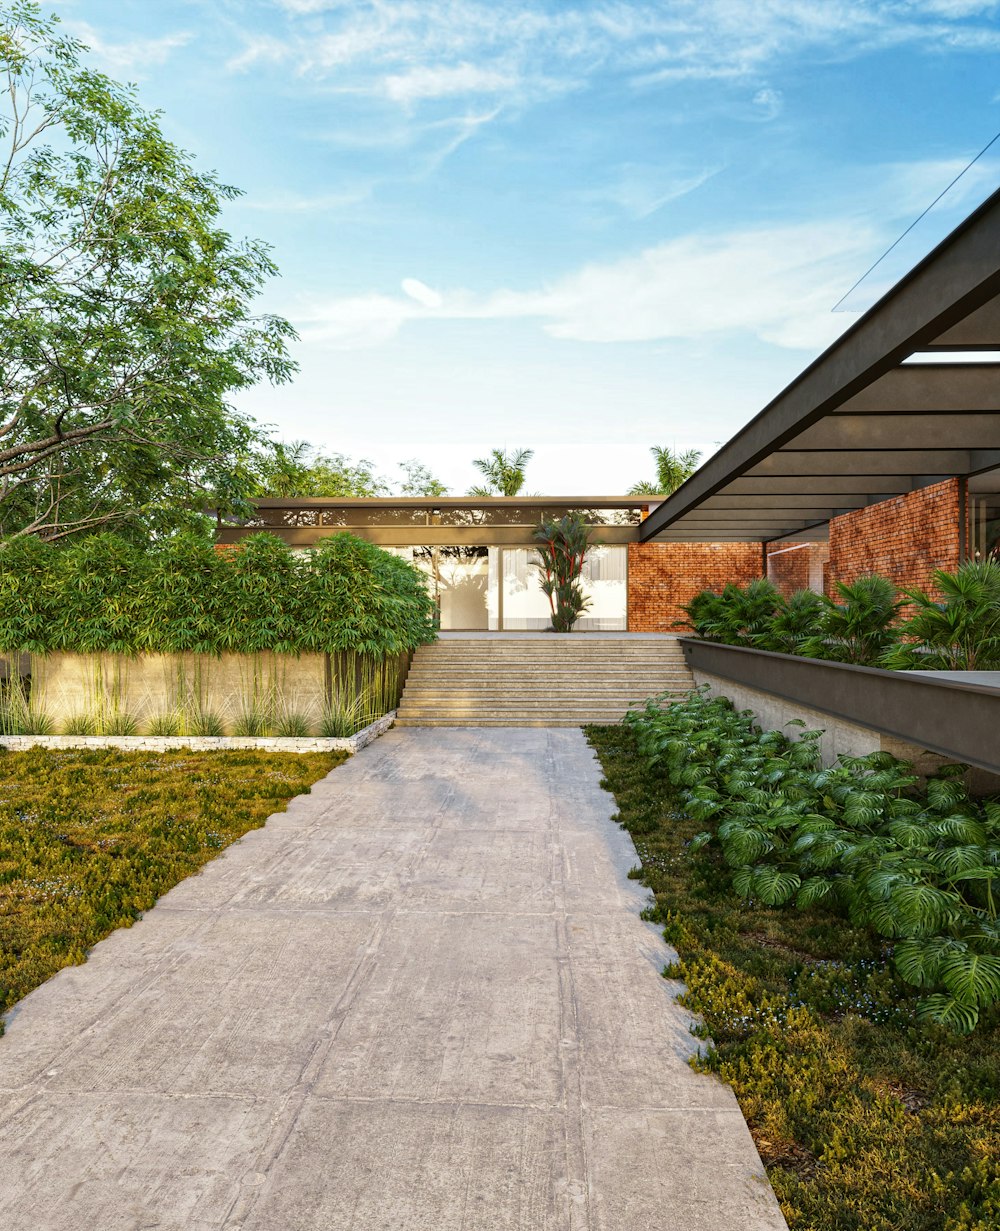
503, 472
672, 469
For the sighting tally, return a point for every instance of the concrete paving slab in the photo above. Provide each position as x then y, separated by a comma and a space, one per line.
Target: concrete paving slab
406, 1167
676, 1169
126, 1162
420, 999
470, 1011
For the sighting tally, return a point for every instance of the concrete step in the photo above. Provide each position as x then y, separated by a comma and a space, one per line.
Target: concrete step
538, 698
538, 683
498, 682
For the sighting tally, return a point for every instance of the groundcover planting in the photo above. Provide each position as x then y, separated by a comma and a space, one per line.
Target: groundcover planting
90, 840
868, 1112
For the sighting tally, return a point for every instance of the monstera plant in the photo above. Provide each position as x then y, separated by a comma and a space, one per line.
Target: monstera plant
562, 547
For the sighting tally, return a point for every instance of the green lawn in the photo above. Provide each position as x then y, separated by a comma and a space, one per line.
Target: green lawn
865, 1119
90, 840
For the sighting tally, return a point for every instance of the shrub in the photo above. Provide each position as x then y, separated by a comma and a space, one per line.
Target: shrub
865, 1119
861, 629
100, 595
561, 544
736, 616
362, 599
960, 632
916, 867
794, 623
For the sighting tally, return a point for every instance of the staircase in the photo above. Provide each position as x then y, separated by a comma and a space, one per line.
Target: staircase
538, 681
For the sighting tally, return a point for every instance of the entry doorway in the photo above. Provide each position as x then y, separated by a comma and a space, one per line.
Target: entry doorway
498, 589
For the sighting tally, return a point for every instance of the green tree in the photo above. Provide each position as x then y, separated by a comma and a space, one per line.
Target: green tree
672, 469
419, 481
503, 472
300, 469
126, 306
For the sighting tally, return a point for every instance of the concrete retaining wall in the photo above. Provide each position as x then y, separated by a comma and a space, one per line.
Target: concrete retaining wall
66, 686
839, 736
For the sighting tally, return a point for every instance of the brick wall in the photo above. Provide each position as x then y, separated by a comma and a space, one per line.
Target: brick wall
663, 576
905, 538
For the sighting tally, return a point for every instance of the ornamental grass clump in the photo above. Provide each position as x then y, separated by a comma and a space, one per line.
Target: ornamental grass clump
19, 713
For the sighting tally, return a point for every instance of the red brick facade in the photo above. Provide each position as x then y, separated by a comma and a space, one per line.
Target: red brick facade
905, 538
663, 576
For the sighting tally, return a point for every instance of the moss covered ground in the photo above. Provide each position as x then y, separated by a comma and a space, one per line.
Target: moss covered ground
866, 1119
89, 840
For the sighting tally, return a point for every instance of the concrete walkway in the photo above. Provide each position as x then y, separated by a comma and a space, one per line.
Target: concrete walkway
420, 1000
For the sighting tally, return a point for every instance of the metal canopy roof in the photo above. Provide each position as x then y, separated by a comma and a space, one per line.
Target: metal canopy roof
859, 425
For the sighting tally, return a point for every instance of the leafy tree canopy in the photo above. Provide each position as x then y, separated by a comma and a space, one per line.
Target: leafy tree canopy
300, 469
126, 306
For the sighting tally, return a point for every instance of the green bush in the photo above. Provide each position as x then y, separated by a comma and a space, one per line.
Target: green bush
959, 632
861, 629
873, 625
866, 1118
917, 867
101, 595
737, 616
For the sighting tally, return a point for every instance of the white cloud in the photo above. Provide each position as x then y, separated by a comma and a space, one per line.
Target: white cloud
444, 82
259, 49
137, 53
429, 49
421, 292
774, 284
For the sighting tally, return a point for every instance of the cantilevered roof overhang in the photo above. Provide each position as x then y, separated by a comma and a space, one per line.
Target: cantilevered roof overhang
860, 424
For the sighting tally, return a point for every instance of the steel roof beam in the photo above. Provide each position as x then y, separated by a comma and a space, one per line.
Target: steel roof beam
959, 277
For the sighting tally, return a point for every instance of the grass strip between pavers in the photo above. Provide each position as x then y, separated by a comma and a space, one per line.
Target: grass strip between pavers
866, 1120
90, 840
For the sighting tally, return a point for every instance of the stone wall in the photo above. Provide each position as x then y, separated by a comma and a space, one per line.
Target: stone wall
662, 577
905, 538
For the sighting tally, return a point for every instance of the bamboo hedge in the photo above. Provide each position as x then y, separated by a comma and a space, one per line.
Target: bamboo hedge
104, 596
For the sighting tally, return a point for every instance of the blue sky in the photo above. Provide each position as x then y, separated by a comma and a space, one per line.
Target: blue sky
584, 228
